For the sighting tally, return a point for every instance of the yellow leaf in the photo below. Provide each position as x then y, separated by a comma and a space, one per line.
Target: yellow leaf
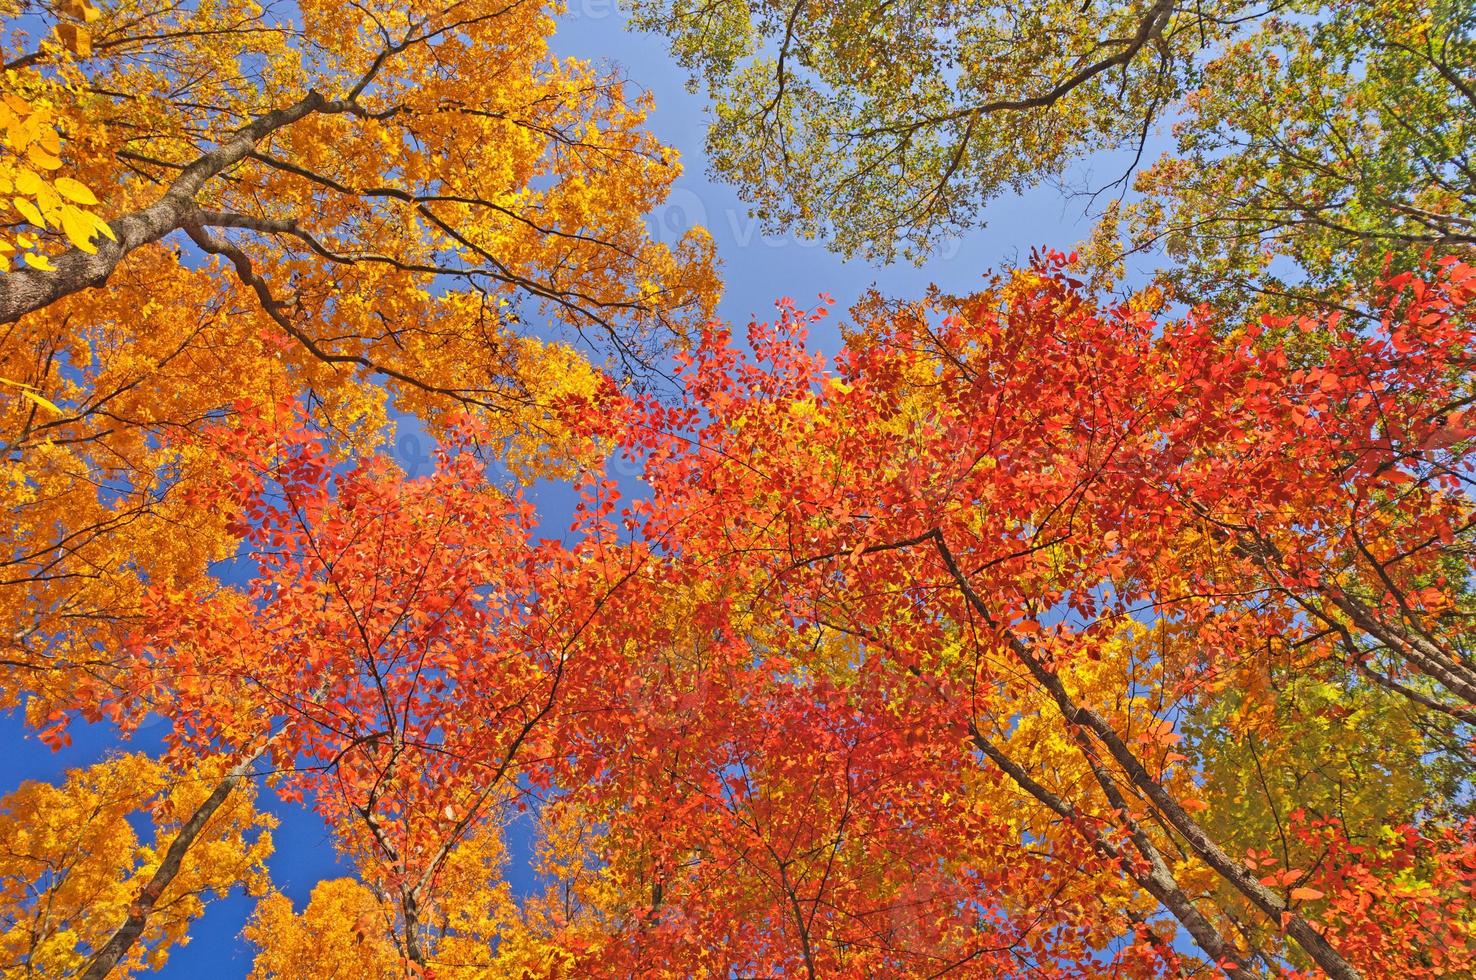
75, 190
79, 227
29, 182
75, 39
80, 10
41, 400
38, 155
39, 262
29, 211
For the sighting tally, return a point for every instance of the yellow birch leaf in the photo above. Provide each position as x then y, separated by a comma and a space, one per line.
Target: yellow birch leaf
79, 227
41, 400
75, 39
29, 211
75, 190
29, 182
38, 155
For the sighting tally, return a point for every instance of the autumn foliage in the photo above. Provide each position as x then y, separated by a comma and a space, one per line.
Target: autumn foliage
1056, 551
357, 207
1033, 634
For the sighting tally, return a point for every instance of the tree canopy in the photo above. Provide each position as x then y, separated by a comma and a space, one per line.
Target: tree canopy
357, 207
1039, 630
1310, 139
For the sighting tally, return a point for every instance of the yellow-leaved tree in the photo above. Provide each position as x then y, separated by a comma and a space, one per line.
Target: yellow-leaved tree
358, 209
468, 927
76, 881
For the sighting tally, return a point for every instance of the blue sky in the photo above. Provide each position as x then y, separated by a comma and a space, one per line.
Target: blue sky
757, 269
